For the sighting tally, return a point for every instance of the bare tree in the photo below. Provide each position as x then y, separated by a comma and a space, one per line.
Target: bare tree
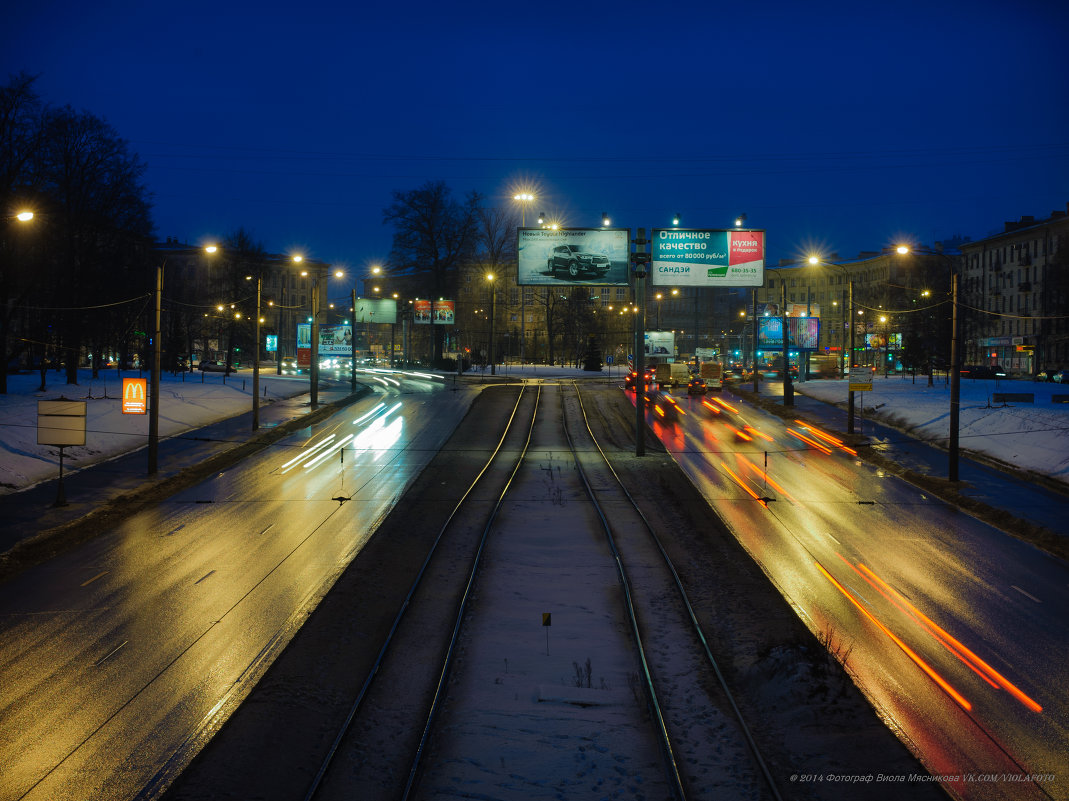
21, 129
433, 236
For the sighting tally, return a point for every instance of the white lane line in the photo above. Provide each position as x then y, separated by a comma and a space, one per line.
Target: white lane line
198, 581
94, 578
1026, 594
110, 654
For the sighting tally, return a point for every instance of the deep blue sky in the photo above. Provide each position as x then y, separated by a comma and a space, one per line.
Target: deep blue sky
829, 124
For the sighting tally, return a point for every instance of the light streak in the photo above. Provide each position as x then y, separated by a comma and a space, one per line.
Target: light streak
306, 454
760, 434
953, 645
905, 648
809, 441
726, 405
764, 476
742, 484
838, 443
710, 406
329, 452
741, 434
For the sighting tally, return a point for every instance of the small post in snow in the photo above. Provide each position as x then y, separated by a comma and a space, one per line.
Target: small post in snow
547, 621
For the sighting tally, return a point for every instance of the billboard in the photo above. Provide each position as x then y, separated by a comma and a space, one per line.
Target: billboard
592, 256
660, 344
878, 341
334, 340
804, 332
134, 396
707, 257
444, 312
375, 310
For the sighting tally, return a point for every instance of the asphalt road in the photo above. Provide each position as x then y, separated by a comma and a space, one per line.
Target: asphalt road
955, 630
119, 655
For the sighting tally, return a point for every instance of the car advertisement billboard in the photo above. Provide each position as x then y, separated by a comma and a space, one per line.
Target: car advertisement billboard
804, 332
375, 310
334, 340
660, 344
707, 257
597, 256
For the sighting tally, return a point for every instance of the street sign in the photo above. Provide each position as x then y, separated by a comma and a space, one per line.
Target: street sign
61, 422
860, 379
135, 396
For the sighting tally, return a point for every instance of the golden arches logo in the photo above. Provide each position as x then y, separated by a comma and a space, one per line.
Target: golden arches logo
134, 391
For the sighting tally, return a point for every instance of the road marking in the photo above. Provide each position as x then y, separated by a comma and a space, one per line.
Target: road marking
828, 534
198, 581
94, 578
110, 654
1026, 594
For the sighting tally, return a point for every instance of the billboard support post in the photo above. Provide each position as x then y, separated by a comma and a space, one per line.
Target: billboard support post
753, 350
352, 356
788, 387
640, 345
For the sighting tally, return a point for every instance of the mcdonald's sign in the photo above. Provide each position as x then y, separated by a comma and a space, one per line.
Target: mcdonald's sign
134, 396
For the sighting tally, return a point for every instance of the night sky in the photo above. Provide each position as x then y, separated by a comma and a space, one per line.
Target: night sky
831, 125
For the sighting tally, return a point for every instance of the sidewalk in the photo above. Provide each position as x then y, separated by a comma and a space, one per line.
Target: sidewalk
1012, 492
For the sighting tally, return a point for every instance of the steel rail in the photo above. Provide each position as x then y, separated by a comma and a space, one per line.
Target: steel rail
324, 767
439, 690
696, 624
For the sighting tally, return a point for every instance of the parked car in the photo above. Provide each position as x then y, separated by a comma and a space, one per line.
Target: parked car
577, 261
213, 366
982, 371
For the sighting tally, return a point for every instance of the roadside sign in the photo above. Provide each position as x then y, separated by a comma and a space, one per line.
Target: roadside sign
860, 379
708, 257
61, 422
135, 396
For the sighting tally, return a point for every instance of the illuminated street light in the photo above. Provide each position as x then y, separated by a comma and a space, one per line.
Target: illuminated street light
24, 216
740, 220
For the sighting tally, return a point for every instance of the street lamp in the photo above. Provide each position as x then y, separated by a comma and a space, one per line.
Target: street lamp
493, 299
955, 368
848, 358
740, 220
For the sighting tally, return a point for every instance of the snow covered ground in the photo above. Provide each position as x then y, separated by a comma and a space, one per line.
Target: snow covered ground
1030, 436
187, 401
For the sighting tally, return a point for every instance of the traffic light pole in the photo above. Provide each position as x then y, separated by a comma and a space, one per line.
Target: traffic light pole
640, 258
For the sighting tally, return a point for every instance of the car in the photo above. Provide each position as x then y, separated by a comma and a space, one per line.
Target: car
576, 261
982, 371
663, 406
213, 366
629, 379
697, 386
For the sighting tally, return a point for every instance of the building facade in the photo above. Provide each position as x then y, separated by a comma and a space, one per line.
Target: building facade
1015, 296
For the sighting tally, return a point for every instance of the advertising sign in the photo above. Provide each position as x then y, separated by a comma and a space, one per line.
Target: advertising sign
804, 332
272, 343
445, 312
61, 422
591, 256
803, 310
660, 344
422, 311
375, 310
135, 396
335, 340
707, 257
878, 341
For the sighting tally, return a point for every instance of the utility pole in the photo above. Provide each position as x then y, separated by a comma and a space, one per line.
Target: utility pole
955, 382
154, 392
640, 257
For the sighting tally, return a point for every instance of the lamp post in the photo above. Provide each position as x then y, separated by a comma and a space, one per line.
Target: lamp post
22, 217
848, 358
493, 296
955, 368
523, 198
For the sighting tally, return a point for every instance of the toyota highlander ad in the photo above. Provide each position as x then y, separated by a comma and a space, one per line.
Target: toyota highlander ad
578, 261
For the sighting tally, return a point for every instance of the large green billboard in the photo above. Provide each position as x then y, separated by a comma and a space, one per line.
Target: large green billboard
707, 257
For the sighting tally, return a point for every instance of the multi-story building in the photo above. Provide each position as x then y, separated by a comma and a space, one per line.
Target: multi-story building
1015, 296
196, 284
901, 304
